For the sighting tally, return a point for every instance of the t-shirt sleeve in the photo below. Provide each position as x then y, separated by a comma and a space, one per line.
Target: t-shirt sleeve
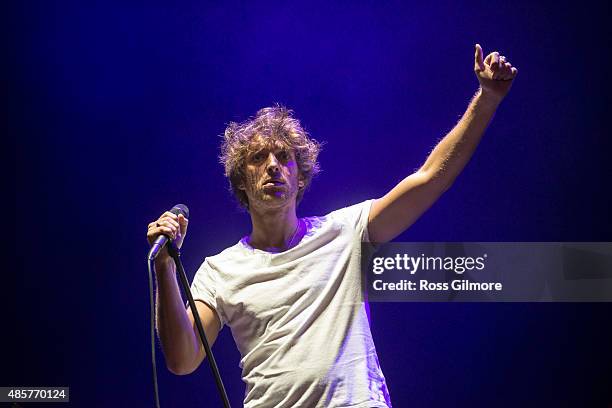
355, 217
204, 288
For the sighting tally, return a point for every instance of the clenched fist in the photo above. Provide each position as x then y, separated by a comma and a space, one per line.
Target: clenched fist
169, 224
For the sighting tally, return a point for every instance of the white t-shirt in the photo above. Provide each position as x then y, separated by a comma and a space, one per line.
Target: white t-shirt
299, 317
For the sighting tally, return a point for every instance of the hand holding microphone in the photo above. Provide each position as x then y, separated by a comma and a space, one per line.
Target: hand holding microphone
170, 225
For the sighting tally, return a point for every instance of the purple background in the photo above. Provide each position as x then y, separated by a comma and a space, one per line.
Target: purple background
115, 109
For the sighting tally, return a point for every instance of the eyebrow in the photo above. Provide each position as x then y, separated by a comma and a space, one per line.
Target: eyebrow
254, 149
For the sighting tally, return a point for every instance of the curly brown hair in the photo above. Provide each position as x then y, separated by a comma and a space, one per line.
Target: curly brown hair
273, 123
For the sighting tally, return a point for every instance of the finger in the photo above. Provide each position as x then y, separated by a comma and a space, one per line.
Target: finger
169, 232
508, 75
503, 61
169, 214
175, 224
478, 61
168, 227
491, 58
156, 231
496, 66
494, 61
169, 223
511, 70
506, 70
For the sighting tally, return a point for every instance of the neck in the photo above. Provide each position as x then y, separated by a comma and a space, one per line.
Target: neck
274, 230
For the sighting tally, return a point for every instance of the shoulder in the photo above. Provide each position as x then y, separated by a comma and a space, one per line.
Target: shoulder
354, 215
351, 220
228, 253
218, 261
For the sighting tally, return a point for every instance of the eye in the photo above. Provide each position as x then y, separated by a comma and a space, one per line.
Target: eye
257, 157
283, 156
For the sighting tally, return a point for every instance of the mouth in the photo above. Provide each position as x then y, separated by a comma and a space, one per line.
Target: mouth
273, 183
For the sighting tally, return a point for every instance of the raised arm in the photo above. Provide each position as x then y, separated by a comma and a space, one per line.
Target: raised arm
403, 205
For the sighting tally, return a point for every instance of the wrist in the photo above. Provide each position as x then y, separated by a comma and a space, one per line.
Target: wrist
487, 98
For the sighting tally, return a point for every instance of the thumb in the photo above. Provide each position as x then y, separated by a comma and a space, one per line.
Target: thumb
183, 223
478, 58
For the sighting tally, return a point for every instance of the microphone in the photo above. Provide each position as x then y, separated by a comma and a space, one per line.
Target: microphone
163, 239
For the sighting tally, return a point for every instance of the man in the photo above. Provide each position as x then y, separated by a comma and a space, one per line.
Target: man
291, 289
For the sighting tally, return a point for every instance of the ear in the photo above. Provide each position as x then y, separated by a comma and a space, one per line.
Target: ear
241, 186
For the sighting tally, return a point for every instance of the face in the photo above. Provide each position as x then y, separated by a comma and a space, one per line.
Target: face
271, 175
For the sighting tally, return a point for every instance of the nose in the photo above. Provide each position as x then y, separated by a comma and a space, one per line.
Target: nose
272, 166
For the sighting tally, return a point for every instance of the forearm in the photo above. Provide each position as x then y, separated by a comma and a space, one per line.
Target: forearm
174, 328
453, 152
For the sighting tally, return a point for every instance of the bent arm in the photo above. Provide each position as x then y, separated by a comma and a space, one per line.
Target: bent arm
405, 203
175, 325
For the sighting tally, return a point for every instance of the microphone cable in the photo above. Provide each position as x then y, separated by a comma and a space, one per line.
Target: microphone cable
150, 263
